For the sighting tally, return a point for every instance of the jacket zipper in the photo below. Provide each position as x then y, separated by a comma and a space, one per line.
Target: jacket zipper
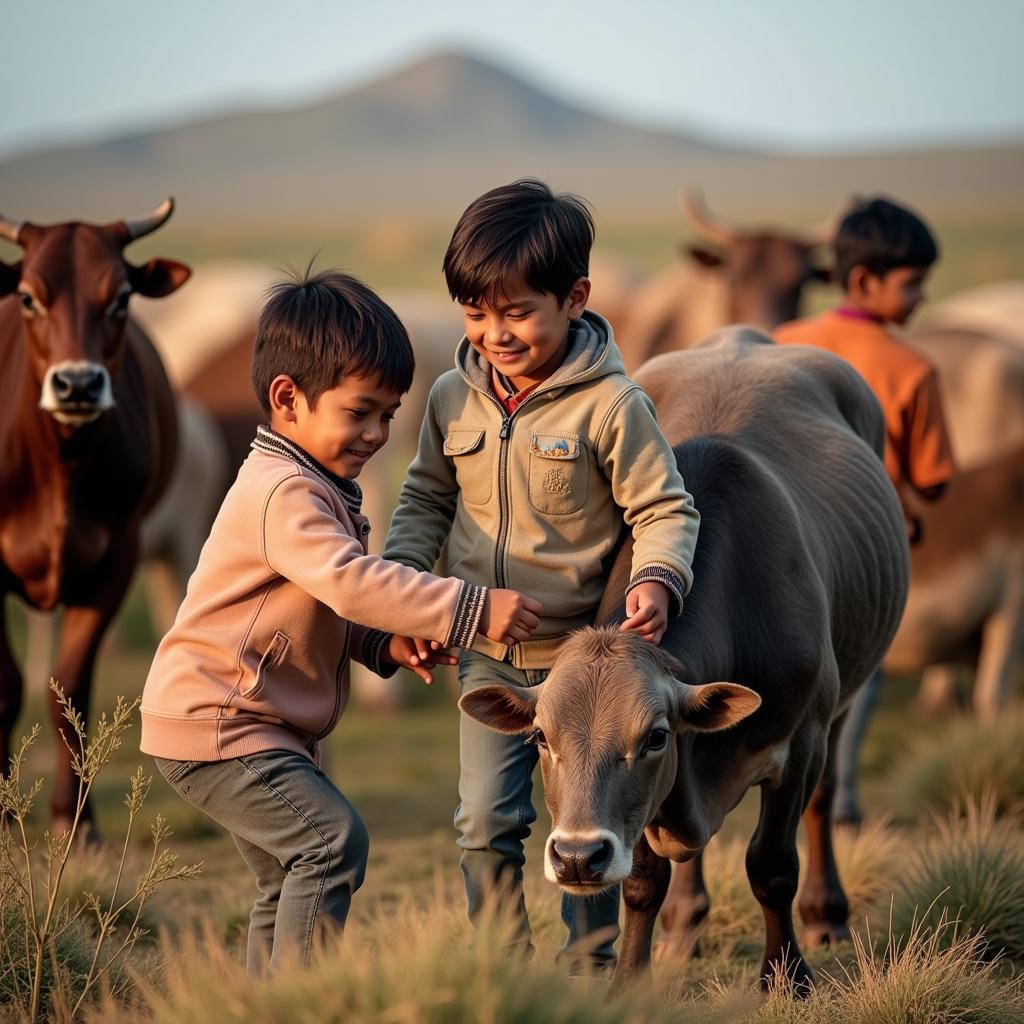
504, 519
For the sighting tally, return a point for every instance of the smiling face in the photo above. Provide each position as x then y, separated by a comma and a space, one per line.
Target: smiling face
347, 426
524, 334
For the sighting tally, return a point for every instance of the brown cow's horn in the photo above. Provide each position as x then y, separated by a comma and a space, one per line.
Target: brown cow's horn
146, 225
713, 229
10, 229
824, 233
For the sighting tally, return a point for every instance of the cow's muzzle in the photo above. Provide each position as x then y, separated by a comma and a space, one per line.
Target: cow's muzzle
75, 393
576, 863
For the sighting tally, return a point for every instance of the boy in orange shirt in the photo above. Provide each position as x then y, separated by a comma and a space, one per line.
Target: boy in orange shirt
883, 255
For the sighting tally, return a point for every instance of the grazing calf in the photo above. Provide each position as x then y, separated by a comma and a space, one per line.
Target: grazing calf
800, 578
87, 444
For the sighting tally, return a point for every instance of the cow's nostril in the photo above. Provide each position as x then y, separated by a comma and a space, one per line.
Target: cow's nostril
93, 385
63, 386
600, 858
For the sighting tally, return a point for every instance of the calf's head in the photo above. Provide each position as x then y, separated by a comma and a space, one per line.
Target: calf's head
608, 722
73, 284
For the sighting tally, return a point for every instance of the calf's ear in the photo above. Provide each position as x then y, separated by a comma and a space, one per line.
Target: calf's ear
715, 706
507, 709
10, 275
158, 278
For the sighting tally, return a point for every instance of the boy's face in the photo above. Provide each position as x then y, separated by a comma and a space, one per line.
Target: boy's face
524, 334
895, 295
350, 422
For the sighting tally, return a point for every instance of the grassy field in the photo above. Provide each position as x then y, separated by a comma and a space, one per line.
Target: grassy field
400, 770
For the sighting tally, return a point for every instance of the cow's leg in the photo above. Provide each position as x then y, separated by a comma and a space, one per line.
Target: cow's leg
685, 911
1001, 640
642, 894
11, 690
823, 904
773, 866
938, 696
81, 633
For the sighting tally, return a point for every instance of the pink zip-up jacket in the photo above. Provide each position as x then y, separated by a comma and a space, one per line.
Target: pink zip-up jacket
284, 593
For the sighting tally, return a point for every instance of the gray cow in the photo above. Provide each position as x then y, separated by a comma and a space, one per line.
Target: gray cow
800, 580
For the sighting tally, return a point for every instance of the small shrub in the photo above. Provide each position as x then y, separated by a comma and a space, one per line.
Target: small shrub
971, 760
971, 869
933, 975
55, 950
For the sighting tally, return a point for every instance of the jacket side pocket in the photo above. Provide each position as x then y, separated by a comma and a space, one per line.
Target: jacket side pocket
272, 657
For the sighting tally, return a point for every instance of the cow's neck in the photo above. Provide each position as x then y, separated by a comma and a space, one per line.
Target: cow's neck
43, 468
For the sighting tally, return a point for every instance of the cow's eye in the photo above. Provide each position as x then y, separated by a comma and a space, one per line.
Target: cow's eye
27, 301
656, 740
119, 307
538, 739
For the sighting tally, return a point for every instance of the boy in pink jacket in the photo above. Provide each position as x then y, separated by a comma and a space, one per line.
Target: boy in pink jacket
254, 672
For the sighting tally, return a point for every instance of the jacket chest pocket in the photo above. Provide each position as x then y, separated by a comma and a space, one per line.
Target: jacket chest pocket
559, 473
465, 447
272, 657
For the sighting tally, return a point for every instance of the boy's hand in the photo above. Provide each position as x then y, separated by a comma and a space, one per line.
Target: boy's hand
509, 617
647, 608
420, 656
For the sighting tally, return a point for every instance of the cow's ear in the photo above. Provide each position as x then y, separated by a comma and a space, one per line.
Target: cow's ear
705, 257
158, 278
10, 275
715, 706
507, 709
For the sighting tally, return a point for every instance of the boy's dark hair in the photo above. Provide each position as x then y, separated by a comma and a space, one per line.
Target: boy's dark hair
881, 236
521, 231
320, 327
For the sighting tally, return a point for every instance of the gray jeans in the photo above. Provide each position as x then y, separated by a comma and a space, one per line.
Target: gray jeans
300, 837
494, 817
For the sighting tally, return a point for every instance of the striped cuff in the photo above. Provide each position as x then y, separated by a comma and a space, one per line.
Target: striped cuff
667, 577
374, 643
466, 619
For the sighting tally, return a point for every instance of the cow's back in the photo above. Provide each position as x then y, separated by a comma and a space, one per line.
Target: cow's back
802, 552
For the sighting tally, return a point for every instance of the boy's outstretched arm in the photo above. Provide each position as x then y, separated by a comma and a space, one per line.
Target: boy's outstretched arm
641, 468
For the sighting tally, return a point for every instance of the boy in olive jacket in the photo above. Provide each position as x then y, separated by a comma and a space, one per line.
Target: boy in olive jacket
533, 451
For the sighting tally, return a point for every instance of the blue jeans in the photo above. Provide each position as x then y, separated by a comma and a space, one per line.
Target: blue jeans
494, 817
300, 837
846, 803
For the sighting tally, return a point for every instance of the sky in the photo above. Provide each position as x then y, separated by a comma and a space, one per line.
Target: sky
787, 74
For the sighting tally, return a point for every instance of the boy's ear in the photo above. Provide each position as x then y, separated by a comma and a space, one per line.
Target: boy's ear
859, 280
283, 395
578, 297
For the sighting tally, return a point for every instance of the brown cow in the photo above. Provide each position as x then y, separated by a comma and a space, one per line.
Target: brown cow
751, 276
800, 578
87, 443
966, 603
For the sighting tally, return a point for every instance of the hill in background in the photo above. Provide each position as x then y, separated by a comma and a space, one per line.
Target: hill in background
419, 143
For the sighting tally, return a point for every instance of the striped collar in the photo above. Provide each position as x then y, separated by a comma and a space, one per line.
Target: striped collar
272, 442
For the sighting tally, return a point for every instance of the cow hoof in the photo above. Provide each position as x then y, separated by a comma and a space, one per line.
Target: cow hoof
795, 977
820, 935
676, 946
